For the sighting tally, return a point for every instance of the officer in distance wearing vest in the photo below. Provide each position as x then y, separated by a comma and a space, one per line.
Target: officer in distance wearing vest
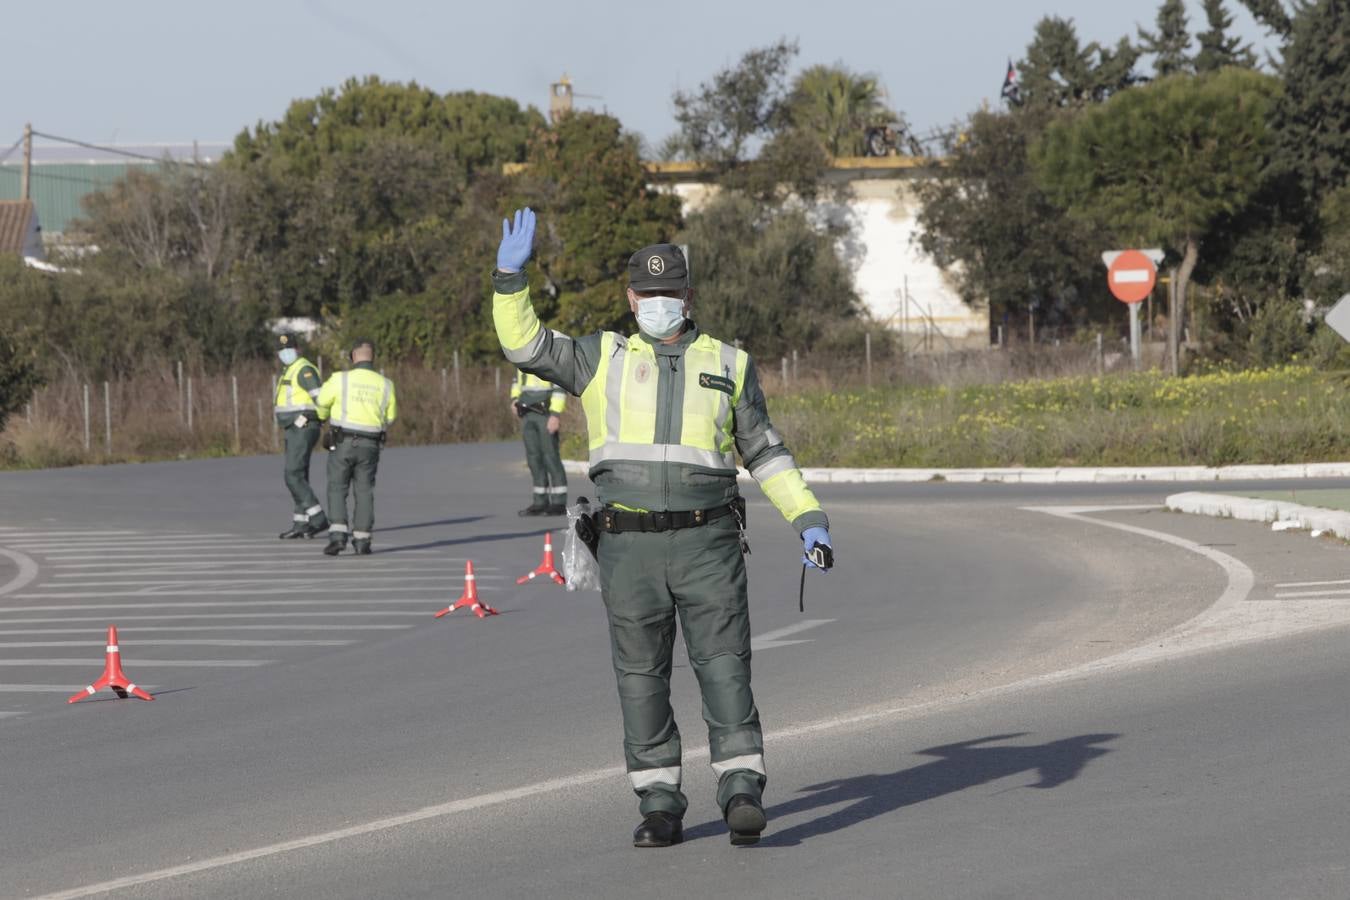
298, 419
359, 405
539, 405
667, 409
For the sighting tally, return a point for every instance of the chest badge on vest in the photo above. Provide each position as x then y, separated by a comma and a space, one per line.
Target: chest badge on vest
717, 383
643, 373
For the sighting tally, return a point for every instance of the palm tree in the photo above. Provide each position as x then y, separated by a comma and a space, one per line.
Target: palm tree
837, 106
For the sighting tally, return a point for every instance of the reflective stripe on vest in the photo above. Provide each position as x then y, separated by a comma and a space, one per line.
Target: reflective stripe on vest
287, 390
622, 398
343, 414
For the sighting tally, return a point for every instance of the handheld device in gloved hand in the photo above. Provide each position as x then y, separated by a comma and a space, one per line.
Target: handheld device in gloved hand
819, 554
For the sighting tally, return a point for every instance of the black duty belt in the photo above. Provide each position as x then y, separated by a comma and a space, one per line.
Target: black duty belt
618, 521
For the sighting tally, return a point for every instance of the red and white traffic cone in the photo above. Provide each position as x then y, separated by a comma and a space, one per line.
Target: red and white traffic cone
113, 676
545, 567
469, 598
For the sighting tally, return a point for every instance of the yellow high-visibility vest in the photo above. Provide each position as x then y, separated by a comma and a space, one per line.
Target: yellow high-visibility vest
291, 397
360, 400
621, 404
529, 383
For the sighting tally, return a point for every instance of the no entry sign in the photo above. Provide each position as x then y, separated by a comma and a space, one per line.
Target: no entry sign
1131, 276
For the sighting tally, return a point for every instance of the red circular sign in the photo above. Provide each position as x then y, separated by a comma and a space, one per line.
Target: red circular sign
1131, 276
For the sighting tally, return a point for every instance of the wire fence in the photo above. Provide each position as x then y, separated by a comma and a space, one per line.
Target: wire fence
176, 412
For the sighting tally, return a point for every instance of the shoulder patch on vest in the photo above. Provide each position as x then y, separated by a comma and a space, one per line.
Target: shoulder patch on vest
717, 383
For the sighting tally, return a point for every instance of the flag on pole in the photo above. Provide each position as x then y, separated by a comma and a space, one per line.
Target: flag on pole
1012, 91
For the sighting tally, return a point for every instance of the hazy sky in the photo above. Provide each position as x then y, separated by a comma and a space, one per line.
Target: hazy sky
156, 71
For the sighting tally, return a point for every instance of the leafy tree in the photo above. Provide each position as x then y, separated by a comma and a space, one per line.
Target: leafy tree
1312, 118
984, 215
1272, 14
590, 188
1160, 164
718, 122
769, 277
836, 106
1059, 71
1170, 43
1217, 48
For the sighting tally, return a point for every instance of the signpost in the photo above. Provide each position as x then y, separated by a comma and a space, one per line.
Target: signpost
1131, 276
1339, 317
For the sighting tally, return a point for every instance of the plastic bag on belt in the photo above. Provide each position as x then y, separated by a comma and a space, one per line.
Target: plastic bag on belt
583, 573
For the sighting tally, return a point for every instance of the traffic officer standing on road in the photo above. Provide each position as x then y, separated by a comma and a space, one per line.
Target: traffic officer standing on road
666, 410
359, 406
298, 420
539, 405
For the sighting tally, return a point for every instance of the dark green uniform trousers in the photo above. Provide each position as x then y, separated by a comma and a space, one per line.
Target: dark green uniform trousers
545, 459
352, 464
699, 574
299, 447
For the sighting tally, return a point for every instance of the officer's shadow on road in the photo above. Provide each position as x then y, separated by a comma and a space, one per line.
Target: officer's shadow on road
958, 766
474, 539
462, 520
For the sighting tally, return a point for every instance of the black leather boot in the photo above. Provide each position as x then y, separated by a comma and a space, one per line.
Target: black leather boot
318, 524
745, 819
334, 546
297, 530
533, 510
361, 546
658, 829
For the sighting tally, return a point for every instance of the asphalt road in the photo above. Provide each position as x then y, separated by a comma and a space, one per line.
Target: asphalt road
992, 696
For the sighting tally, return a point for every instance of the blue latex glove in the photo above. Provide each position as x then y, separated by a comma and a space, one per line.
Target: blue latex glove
517, 241
812, 536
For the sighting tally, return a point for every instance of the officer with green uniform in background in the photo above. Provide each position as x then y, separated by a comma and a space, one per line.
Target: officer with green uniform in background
667, 409
299, 423
539, 405
359, 406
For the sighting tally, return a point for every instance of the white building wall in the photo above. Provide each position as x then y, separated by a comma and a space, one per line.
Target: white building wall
900, 285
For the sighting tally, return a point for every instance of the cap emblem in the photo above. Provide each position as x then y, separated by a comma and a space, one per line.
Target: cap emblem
656, 265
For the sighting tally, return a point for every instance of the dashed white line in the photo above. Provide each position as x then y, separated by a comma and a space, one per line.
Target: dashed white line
329, 614
184, 642
249, 592
771, 639
51, 688
145, 629
157, 663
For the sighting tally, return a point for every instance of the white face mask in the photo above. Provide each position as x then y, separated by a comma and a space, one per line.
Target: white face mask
288, 356
660, 317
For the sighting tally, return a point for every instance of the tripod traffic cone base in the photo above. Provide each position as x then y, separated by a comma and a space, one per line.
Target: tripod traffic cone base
113, 676
469, 599
546, 567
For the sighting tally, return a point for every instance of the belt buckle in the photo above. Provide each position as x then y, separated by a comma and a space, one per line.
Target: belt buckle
660, 521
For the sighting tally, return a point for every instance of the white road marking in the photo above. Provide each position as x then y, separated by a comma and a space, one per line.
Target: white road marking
144, 629
150, 543
770, 639
1299, 584
235, 558
233, 604
330, 614
183, 642
1310, 595
317, 561
64, 534
139, 662
28, 570
10, 715
248, 592
302, 584
449, 569
51, 688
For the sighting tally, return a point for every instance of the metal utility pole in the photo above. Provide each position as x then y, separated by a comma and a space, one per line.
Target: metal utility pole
27, 160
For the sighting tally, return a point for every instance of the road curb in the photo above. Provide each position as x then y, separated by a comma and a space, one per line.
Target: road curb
1250, 509
1064, 475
